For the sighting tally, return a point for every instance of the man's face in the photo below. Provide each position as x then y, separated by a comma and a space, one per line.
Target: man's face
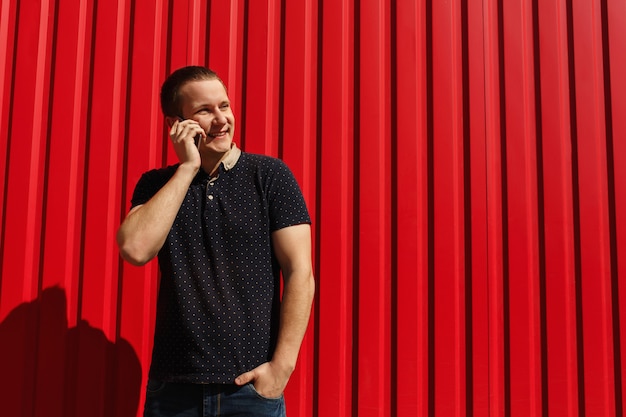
207, 102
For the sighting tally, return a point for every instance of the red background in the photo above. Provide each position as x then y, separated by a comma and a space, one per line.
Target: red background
464, 162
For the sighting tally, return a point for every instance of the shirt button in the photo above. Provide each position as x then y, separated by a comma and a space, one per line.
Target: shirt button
210, 197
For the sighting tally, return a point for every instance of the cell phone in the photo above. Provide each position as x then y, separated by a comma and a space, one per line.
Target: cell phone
198, 136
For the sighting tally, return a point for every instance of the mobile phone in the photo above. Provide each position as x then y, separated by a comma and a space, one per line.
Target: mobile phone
198, 136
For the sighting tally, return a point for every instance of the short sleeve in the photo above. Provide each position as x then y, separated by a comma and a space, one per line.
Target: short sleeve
149, 184
286, 202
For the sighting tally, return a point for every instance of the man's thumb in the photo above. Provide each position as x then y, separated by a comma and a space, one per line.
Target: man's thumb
243, 379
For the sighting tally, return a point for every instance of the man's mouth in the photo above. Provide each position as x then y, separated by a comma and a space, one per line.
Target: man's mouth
219, 134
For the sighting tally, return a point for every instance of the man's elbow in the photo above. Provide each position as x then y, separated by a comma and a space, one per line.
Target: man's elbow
308, 286
302, 282
133, 253
311, 283
134, 259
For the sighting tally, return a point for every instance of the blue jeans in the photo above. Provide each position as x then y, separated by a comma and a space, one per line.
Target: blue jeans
170, 399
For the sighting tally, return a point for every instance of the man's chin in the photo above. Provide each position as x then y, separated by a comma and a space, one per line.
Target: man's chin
217, 146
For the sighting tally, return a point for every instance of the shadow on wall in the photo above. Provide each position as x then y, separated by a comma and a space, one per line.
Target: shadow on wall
49, 369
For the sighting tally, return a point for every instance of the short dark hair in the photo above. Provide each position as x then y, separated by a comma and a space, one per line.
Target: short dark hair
170, 97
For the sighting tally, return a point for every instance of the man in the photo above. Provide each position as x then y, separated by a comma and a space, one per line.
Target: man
223, 223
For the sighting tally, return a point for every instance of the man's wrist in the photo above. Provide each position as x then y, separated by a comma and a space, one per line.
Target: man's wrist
284, 366
189, 168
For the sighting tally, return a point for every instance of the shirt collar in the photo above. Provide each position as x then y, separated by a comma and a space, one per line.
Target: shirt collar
231, 158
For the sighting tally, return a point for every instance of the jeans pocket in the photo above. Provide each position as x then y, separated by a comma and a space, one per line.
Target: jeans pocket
154, 387
253, 389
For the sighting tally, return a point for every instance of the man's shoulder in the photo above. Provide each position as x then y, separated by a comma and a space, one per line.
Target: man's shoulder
260, 161
257, 157
160, 173
157, 177
150, 182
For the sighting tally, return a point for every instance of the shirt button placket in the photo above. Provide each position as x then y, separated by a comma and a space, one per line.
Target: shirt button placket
210, 184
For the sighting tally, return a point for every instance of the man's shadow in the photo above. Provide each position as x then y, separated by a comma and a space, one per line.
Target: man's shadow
48, 369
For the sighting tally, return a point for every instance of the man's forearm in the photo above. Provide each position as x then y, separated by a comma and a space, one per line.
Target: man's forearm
295, 310
143, 232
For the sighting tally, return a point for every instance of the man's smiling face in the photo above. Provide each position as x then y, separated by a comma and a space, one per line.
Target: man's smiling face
207, 102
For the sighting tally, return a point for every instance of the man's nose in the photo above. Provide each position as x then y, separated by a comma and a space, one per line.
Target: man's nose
220, 118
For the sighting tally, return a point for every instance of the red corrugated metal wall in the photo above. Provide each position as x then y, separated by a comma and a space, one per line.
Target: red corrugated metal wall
464, 162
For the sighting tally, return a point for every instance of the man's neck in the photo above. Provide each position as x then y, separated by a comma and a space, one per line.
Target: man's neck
211, 161
210, 165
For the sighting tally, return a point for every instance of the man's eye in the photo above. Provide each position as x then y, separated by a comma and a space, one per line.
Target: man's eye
224, 105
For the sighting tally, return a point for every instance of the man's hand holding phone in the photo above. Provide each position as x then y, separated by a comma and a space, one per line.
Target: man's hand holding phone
186, 136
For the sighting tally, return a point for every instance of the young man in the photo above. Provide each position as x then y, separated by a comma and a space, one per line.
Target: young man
224, 224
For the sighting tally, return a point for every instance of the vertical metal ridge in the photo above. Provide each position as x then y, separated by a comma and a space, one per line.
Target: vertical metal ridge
592, 186
7, 45
394, 209
610, 172
615, 45
374, 209
336, 346
561, 342
468, 239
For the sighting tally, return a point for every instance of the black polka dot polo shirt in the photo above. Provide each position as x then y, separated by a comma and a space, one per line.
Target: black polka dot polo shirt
218, 302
